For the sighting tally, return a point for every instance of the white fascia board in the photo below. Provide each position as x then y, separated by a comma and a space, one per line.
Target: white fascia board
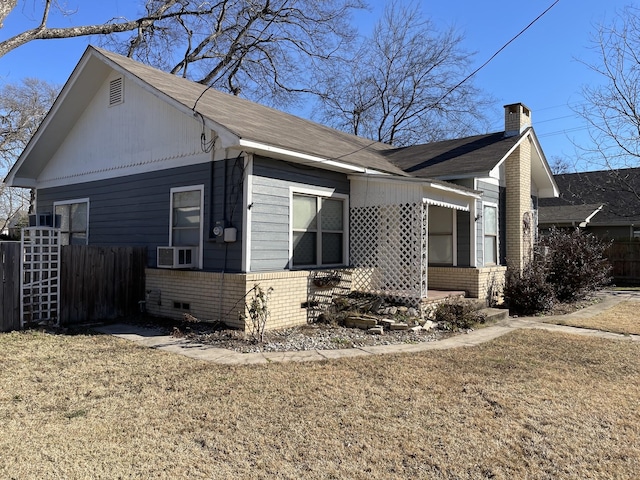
10, 180
293, 155
20, 182
588, 219
545, 164
511, 150
548, 192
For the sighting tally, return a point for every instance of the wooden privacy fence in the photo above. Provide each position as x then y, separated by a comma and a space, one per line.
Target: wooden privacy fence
99, 283
625, 258
10, 288
96, 283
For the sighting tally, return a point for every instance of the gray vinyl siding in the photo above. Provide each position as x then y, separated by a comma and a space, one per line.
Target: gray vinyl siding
227, 209
490, 193
270, 207
134, 211
463, 238
463, 182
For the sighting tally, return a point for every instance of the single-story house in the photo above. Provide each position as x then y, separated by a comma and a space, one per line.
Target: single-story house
605, 203
226, 194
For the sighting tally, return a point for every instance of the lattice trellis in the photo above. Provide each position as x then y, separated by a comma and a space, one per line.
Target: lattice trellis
40, 275
389, 250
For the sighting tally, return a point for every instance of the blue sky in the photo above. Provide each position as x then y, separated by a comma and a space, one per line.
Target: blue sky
541, 68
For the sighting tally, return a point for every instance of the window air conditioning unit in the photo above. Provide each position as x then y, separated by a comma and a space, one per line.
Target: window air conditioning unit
177, 257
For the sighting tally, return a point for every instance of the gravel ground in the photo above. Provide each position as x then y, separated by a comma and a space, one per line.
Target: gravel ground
317, 336
308, 337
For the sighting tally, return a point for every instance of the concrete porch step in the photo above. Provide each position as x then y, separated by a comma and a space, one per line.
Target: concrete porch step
495, 314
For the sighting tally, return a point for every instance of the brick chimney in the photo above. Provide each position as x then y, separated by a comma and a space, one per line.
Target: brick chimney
517, 118
519, 234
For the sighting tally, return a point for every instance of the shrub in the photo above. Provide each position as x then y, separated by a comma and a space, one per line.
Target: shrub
567, 266
457, 315
258, 310
528, 292
577, 264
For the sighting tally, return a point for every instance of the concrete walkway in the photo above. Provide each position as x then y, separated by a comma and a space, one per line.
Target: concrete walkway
157, 339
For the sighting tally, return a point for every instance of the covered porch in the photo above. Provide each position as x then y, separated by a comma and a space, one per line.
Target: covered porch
397, 251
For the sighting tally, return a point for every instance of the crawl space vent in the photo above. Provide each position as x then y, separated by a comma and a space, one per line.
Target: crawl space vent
116, 94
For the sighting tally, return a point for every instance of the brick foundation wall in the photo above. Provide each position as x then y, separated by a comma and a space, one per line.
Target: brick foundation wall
477, 282
212, 296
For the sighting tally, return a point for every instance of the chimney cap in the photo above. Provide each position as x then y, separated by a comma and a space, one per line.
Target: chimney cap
513, 108
517, 118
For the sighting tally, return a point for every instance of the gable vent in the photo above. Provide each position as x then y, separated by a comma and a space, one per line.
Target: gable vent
116, 91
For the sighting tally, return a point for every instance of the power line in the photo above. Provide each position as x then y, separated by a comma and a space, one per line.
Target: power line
497, 52
562, 132
554, 119
451, 90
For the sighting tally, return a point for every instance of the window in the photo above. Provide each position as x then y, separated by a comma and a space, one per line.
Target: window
186, 216
490, 234
74, 221
318, 230
440, 235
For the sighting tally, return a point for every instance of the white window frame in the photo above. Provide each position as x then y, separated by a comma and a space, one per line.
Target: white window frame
70, 202
188, 188
454, 238
320, 192
484, 234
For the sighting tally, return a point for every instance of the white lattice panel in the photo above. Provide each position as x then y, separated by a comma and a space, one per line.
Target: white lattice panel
40, 283
388, 249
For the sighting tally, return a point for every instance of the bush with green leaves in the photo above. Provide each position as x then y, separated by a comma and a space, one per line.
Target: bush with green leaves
567, 266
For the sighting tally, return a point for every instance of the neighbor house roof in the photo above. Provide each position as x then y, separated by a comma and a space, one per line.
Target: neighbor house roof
617, 190
573, 215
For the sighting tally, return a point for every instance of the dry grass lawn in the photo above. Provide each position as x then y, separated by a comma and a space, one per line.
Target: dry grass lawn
530, 405
623, 318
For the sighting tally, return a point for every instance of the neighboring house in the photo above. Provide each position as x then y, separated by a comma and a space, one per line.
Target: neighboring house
243, 194
605, 203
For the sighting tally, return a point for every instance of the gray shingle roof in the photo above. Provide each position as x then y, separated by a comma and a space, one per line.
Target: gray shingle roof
478, 154
567, 214
618, 190
252, 121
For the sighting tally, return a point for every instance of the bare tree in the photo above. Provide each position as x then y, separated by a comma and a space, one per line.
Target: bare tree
22, 107
612, 108
403, 84
260, 48
560, 165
